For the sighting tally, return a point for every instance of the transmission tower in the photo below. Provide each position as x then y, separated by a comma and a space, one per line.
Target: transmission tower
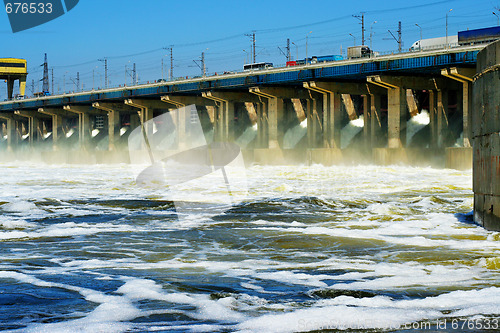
105, 60
288, 55
204, 68
252, 36
362, 19
400, 37
171, 62
45, 86
134, 75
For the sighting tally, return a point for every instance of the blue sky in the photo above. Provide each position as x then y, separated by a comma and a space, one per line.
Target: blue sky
133, 31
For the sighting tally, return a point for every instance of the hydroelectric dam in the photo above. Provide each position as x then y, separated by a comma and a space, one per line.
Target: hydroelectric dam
412, 107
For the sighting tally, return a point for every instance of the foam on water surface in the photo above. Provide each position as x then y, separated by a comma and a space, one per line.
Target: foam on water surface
309, 248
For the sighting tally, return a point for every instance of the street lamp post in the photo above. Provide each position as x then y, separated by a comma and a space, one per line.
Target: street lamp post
64, 82
307, 38
498, 18
297, 49
420, 36
354, 38
371, 33
247, 56
447, 27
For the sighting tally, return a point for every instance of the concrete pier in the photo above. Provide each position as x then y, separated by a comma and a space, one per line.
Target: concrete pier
486, 138
370, 110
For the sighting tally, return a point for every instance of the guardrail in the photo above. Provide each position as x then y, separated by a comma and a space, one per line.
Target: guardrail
278, 69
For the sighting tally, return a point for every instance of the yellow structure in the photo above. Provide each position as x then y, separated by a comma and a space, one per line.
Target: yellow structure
12, 69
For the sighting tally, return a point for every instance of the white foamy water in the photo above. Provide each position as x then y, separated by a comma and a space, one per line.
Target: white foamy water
349, 131
310, 248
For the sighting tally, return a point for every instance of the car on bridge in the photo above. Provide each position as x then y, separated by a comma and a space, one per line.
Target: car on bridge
257, 66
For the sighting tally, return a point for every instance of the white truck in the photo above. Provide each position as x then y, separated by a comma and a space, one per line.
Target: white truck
358, 52
434, 43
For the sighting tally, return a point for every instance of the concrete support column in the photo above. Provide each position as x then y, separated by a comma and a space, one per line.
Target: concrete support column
396, 109
12, 134
34, 130
396, 121
35, 125
224, 116
338, 93
58, 116
22, 86
464, 76
262, 128
146, 108
317, 121
10, 89
180, 121
375, 123
433, 118
442, 118
314, 127
182, 101
114, 126
272, 115
333, 125
367, 121
332, 111
113, 111
467, 114
228, 121
84, 130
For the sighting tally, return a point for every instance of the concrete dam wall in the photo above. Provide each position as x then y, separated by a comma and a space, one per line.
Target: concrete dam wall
486, 138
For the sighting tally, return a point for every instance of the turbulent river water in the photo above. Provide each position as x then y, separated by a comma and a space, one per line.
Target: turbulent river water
310, 248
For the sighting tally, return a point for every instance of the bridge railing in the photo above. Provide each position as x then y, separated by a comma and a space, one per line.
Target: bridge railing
282, 73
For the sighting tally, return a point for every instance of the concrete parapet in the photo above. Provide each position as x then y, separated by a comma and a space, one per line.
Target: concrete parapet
84, 157
275, 156
107, 157
409, 156
387, 156
486, 140
324, 156
459, 158
269, 156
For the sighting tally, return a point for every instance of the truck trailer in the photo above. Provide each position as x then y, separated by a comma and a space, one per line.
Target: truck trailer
434, 43
360, 51
484, 35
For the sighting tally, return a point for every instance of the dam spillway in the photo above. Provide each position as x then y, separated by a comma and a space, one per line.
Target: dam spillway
317, 101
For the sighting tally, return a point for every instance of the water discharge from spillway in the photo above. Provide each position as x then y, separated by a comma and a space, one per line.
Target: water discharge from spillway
301, 248
415, 124
309, 248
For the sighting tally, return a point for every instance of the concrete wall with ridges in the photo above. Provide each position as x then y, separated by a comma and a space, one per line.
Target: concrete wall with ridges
486, 138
